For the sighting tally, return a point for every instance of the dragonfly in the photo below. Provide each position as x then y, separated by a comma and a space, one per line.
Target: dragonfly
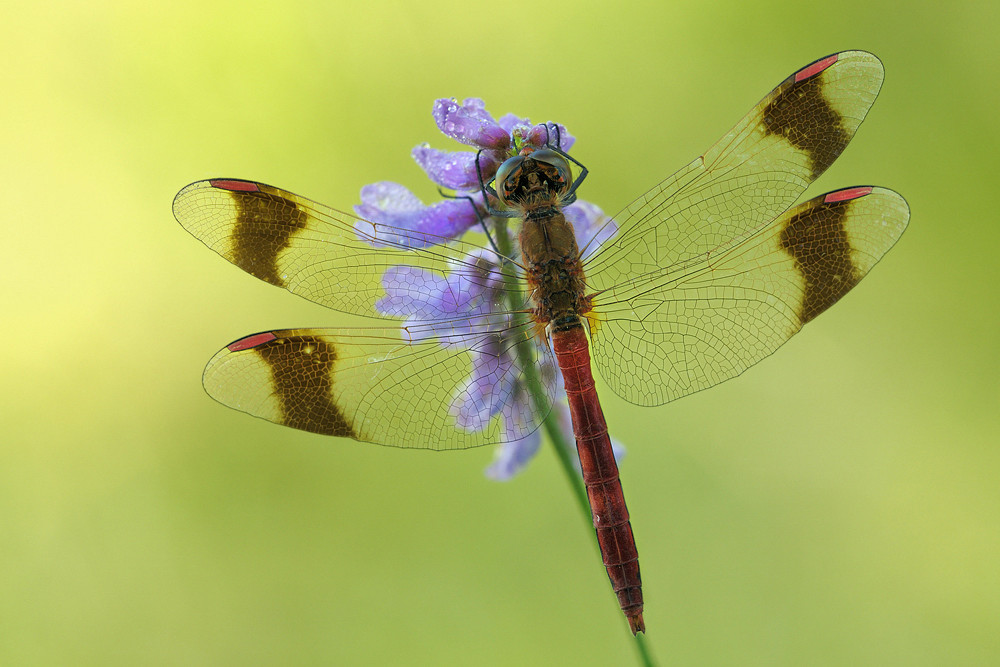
707, 274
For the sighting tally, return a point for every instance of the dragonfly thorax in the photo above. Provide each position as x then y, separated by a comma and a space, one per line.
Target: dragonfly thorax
554, 273
542, 176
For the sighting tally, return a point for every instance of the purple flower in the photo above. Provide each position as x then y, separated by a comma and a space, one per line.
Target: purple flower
421, 225
388, 203
466, 307
470, 124
456, 170
591, 226
463, 302
462, 309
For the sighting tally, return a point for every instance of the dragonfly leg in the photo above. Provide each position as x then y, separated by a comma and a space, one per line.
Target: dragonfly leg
571, 193
479, 216
548, 143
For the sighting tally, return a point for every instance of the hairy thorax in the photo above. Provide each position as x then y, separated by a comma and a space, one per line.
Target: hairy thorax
554, 271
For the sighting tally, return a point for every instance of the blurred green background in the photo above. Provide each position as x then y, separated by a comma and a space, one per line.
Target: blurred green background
836, 505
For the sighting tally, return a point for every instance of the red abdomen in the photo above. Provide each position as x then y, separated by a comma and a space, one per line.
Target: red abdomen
600, 473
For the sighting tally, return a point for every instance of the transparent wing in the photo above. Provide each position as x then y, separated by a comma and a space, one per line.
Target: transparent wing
701, 321
453, 371
333, 258
750, 176
714, 205
412, 387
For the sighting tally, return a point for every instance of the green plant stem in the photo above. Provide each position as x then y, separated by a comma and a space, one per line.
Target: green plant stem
534, 384
645, 657
564, 454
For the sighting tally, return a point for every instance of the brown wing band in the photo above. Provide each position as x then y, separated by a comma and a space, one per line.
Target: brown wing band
255, 246
824, 138
302, 375
817, 240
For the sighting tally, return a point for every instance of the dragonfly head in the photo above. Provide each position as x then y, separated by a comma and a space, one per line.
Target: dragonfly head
524, 178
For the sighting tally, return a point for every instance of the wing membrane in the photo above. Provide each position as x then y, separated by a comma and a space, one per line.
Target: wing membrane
376, 385
705, 320
324, 255
750, 176
705, 278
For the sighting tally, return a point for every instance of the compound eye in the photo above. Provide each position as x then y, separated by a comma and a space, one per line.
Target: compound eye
559, 171
503, 183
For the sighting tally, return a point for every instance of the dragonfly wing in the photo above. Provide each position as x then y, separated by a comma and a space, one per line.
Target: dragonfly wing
692, 325
333, 258
750, 176
433, 391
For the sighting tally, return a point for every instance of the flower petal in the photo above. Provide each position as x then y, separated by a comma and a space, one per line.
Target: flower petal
566, 140
554, 133
409, 223
415, 293
389, 198
510, 458
490, 388
470, 123
455, 170
591, 225
509, 121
